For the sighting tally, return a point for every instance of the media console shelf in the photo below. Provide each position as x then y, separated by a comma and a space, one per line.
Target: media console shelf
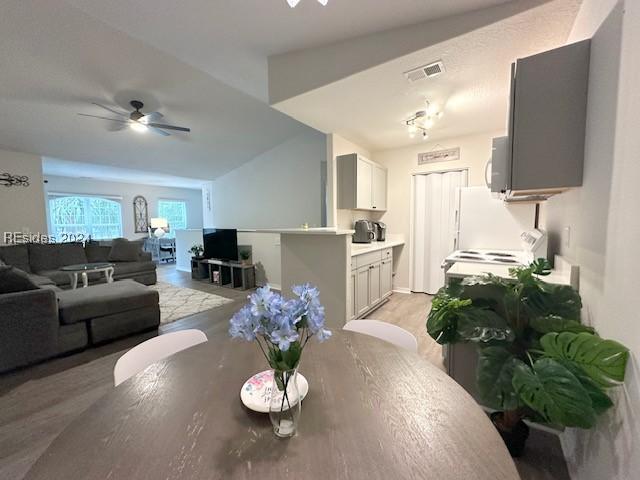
225, 274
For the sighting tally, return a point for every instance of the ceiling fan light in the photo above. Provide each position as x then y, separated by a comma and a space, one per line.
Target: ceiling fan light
138, 127
293, 3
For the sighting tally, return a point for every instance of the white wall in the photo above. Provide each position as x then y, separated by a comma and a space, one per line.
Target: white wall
128, 191
22, 208
265, 251
402, 163
279, 188
605, 230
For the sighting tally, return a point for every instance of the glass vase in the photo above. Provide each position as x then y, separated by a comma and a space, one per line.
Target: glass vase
285, 405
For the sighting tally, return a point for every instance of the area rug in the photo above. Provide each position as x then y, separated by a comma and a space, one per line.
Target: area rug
179, 302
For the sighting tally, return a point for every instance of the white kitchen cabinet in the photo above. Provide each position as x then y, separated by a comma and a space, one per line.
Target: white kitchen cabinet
371, 281
362, 290
352, 295
386, 277
379, 188
374, 283
362, 184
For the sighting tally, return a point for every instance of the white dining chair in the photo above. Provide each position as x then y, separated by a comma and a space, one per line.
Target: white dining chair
384, 331
154, 350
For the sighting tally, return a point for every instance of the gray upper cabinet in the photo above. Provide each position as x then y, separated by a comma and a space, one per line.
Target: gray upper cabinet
547, 122
362, 184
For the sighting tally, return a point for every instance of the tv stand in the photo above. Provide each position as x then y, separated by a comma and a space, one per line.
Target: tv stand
225, 273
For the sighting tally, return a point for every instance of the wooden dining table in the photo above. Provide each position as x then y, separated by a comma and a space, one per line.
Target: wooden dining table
373, 411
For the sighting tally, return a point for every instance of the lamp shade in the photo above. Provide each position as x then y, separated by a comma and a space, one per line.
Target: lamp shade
159, 222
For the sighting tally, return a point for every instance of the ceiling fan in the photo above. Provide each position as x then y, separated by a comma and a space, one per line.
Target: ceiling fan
138, 121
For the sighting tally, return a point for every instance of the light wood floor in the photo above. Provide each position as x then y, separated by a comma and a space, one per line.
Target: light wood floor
37, 403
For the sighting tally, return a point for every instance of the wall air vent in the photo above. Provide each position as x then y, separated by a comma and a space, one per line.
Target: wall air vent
427, 71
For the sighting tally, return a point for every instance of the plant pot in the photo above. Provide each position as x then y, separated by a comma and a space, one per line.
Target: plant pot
515, 439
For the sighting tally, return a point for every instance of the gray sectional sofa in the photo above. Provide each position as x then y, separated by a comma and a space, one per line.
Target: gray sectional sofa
41, 317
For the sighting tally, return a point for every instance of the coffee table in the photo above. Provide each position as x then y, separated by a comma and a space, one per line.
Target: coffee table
84, 268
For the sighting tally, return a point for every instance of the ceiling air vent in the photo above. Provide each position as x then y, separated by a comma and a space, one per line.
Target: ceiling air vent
427, 71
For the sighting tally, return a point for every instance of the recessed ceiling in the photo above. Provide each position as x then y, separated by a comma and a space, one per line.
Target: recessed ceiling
231, 39
370, 107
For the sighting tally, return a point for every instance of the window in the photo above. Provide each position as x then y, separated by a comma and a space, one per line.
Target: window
175, 211
100, 218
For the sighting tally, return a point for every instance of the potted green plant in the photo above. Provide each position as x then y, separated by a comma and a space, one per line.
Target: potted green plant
536, 359
196, 251
245, 256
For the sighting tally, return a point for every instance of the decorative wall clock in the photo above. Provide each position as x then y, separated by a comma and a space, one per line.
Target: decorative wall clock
140, 215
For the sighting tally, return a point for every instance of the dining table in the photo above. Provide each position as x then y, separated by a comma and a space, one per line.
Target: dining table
373, 411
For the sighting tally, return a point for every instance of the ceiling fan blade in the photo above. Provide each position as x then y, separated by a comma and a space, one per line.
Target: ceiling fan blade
157, 131
151, 117
169, 127
104, 118
123, 114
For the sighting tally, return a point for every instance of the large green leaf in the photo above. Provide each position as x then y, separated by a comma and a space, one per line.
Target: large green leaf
483, 325
600, 401
541, 299
604, 361
554, 392
442, 322
495, 378
555, 323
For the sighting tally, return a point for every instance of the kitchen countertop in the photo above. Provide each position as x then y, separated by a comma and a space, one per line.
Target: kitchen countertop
362, 248
304, 231
563, 274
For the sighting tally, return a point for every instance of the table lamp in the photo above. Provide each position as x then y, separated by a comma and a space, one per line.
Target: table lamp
158, 226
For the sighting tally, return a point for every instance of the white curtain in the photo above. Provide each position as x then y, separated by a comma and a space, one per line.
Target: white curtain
435, 226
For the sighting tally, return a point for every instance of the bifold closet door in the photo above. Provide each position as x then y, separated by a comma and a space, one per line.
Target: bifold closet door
435, 204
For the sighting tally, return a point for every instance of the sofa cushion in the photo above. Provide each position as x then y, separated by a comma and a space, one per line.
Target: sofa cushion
71, 254
57, 276
14, 280
122, 250
17, 256
104, 299
97, 253
128, 268
44, 257
40, 280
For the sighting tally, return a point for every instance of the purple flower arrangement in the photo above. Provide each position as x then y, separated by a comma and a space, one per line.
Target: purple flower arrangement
281, 327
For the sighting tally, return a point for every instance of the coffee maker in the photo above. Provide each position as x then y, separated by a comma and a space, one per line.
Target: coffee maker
380, 231
365, 232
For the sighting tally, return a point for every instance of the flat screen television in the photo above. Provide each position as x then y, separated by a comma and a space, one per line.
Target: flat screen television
220, 243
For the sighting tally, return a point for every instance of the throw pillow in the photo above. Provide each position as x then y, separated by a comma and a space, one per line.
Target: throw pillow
97, 253
122, 250
72, 254
14, 280
17, 256
44, 256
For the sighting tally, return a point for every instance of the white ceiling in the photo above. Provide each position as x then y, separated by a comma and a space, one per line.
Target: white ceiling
58, 60
370, 107
231, 39
66, 168
202, 63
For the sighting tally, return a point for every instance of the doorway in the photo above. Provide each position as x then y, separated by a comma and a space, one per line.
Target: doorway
434, 226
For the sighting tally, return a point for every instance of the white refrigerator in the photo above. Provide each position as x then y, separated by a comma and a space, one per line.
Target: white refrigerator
486, 222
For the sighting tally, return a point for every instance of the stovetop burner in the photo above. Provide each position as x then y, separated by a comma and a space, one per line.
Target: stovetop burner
473, 252
469, 257
500, 254
504, 260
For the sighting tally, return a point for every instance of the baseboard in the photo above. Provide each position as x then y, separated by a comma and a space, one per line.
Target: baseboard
401, 290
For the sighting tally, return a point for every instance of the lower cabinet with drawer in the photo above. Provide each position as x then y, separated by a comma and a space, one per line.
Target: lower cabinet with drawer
370, 282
